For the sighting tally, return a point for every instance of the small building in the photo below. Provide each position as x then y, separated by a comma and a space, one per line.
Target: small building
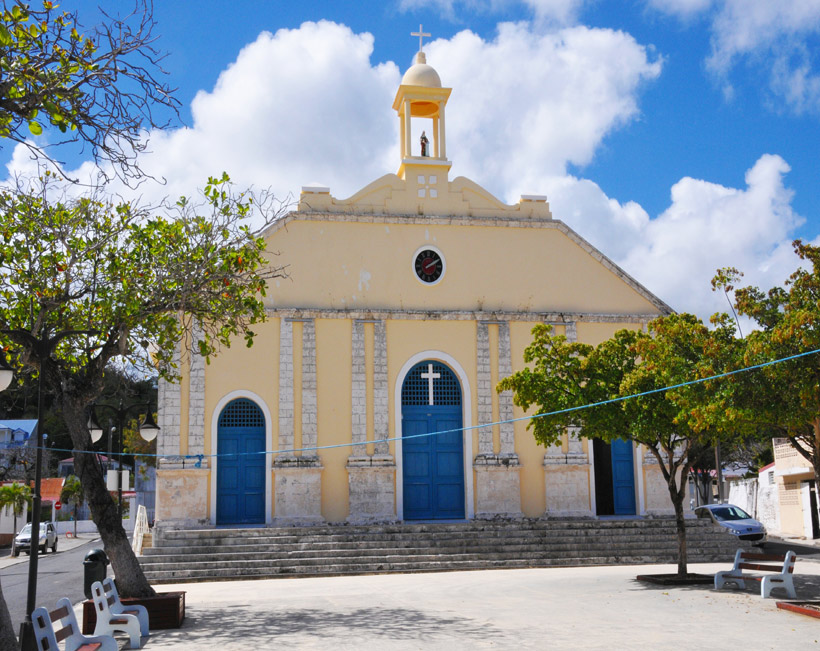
17, 433
796, 492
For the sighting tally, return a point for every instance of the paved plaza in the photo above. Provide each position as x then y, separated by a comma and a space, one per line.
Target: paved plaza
556, 608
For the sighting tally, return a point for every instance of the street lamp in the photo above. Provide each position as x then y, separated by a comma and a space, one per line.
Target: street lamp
6, 371
148, 430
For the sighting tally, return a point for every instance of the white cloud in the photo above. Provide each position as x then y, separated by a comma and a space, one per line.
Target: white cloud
682, 8
306, 105
770, 35
515, 128
708, 226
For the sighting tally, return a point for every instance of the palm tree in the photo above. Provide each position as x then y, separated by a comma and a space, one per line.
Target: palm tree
72, 493
16, 497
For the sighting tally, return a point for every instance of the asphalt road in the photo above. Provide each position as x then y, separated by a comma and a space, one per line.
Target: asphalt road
58, 575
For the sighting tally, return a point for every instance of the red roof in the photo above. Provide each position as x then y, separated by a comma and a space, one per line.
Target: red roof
50, 488
766, 467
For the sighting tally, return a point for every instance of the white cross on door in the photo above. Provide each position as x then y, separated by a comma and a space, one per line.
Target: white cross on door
430, 376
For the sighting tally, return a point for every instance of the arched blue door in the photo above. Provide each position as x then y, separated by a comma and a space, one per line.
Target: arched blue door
623, 478
433, 466
240, 474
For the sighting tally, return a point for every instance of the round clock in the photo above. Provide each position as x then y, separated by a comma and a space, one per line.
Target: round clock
429, 265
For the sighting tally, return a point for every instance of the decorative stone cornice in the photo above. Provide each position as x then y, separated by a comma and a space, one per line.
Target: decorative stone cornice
552, 318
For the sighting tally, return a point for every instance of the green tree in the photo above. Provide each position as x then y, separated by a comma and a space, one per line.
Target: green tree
72, 494
676, 426
15, 497
783, 400
101, 88
87, 281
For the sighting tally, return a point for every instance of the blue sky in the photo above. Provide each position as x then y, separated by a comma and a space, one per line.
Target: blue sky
676, 135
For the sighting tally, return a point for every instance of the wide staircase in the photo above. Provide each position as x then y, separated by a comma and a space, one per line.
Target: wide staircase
264, 553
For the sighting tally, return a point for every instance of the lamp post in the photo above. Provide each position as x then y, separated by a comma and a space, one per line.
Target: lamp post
41, 349
148, 430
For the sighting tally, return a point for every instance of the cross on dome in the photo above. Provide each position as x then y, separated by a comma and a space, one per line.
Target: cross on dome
421, 34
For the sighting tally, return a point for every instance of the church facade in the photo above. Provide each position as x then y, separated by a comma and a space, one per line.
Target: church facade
369, 394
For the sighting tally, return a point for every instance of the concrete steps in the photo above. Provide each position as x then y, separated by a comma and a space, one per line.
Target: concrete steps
212, 554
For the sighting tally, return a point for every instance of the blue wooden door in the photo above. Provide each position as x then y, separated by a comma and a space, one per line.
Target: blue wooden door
432, 466
623, 478
240, 475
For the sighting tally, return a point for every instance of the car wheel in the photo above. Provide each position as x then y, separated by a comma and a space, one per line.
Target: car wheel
28, 552
54, 548
43, 548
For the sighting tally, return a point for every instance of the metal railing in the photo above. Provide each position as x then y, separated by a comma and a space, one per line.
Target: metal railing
140, 529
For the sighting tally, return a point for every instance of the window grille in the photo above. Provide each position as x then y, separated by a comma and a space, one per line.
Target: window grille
241, 413
416, 389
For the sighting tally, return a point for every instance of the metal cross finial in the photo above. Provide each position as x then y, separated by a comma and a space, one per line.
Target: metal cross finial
421, 34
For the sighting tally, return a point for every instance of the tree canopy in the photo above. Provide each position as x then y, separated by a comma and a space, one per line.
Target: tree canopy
86, 280
783, 400
101, 88
592, 388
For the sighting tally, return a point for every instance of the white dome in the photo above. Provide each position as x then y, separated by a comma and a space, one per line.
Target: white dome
420, 74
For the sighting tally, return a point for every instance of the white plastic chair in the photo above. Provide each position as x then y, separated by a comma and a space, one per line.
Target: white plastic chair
108, 622
117, 608
48, 636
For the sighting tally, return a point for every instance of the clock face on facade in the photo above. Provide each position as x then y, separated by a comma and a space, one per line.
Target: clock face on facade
429, 265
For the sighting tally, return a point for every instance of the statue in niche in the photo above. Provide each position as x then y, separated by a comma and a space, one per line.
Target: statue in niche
424, 145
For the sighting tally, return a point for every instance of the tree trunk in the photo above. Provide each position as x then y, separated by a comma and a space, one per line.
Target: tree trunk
680, 527
131, 581
8, 640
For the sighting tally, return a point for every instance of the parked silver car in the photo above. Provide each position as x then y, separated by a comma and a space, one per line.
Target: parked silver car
48, 538
734, 519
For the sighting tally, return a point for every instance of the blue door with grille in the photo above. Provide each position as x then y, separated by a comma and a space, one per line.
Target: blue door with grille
240, 469
623, 478
432, 466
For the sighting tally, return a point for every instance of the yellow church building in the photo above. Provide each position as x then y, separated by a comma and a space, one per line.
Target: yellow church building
406, 304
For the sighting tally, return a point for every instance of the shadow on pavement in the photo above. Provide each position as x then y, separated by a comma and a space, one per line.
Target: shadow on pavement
212, 627
807, 587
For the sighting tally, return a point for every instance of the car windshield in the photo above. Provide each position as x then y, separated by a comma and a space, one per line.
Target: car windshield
27, 528
730, 513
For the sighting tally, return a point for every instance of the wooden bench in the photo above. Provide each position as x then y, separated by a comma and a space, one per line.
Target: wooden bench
48, 636
755, 562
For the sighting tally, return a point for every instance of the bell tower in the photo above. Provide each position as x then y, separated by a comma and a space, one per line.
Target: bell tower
421, 95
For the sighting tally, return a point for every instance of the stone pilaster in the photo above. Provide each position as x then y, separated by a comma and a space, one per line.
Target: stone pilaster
498, 487
371, 479
358, 395
505, 398
371, 485
656, 492
576, 454
310, 432
181, 496
286, 388
571, 331
196, 396
298, 490
497, 476
169, 408
484, 389
380, 390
